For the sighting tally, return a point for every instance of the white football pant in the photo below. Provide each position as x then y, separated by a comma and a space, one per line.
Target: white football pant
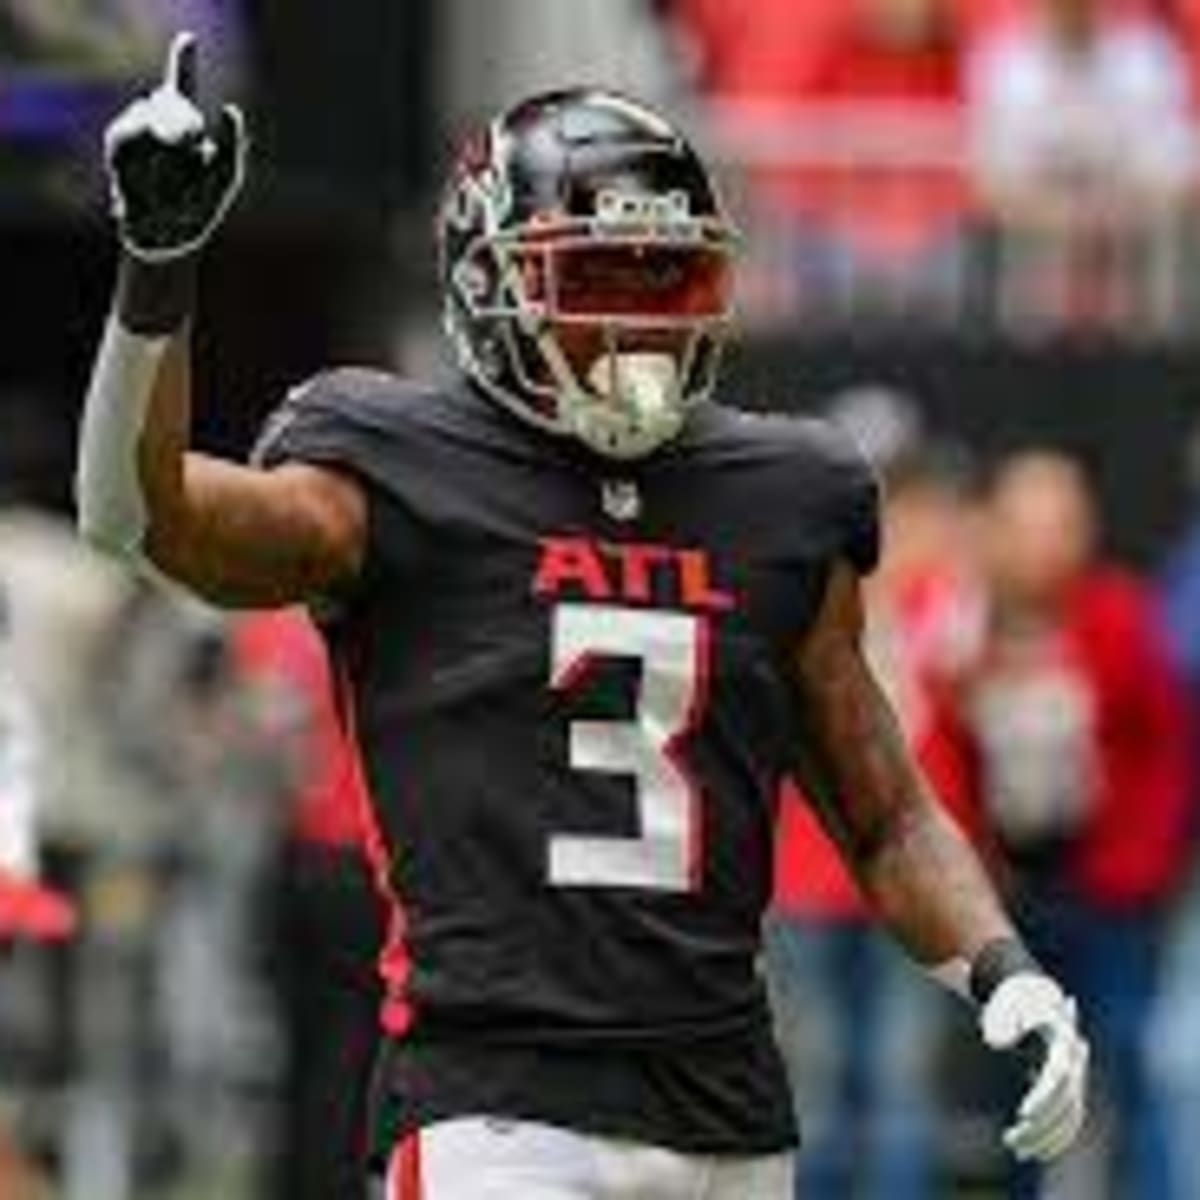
487, 1158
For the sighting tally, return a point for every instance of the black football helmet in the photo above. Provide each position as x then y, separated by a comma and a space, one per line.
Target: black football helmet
586, 267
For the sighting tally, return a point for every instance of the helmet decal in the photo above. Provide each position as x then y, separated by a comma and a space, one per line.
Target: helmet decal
620, 209
638, 115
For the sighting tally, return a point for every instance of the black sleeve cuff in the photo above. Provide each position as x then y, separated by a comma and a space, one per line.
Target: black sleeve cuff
156, 299
996, 962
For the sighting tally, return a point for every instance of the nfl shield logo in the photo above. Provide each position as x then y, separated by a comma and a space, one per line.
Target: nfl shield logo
621, 499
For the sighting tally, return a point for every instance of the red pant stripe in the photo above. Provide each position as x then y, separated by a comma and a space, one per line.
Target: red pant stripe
405, 1173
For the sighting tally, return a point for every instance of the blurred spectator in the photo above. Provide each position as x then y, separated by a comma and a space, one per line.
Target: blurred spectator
1077, 729
27, 908
1181, 588
147, 1039
535, 45
1185, 15
784, 50
762, 52
859, 1030
888, 76
1177, 1030
328, 928
18, 855
1081, 119
847, 124
1084, 151
895, 50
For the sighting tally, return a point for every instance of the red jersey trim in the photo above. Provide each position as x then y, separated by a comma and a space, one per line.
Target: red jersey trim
395, 961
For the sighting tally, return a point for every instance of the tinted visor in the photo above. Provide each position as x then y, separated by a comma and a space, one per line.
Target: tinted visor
643, 280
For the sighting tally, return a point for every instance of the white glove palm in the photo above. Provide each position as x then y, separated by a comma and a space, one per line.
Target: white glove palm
1049, 1117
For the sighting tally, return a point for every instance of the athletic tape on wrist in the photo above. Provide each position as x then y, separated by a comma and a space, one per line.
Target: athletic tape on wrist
954, 975
112, 511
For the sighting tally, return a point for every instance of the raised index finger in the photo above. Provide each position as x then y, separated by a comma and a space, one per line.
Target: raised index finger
180, 73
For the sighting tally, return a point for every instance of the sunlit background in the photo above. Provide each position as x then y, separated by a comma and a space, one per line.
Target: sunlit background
971, 233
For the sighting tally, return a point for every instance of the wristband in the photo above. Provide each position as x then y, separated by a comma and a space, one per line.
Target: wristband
997, 961
156, 299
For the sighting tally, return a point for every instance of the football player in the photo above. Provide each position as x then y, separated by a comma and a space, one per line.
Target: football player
586, 613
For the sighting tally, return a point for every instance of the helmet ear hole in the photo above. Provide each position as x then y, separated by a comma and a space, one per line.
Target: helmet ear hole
476, 284
491, 353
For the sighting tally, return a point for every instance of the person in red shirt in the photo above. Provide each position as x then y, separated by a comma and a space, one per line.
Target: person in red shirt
329, 929
1075, 738
845, 118
860, 1033
1175, 1048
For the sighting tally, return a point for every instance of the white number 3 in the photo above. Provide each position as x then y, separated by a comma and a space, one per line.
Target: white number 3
671, 649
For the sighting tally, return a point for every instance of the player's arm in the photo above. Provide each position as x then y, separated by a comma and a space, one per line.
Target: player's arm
918, 870
235, 534
908, 856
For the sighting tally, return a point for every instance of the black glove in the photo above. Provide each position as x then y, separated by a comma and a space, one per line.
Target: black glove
173, 175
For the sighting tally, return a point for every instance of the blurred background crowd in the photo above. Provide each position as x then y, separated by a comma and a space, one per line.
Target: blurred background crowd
972, 234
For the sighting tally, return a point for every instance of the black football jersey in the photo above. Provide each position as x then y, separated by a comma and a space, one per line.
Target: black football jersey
567, 679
